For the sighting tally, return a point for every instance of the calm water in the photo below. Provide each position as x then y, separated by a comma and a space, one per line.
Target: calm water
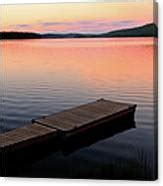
40, 77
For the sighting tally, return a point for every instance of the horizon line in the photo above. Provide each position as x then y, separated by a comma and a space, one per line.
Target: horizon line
51, 32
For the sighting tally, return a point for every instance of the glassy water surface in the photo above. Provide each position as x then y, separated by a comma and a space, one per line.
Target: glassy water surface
40, 77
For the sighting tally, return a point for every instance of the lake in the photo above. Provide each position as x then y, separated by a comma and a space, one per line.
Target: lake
43, 76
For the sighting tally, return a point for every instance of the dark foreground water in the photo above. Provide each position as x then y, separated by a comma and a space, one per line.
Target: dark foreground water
40, 77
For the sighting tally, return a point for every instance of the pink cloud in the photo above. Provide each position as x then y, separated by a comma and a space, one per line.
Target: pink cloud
89, 26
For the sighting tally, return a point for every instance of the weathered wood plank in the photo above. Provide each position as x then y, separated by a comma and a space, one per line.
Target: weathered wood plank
77, 117
24, 136
64, 121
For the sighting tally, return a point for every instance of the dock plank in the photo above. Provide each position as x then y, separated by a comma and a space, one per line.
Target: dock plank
82, 115
24, 136
63, 121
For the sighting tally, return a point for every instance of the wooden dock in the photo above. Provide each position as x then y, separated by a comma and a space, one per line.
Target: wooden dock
66, 130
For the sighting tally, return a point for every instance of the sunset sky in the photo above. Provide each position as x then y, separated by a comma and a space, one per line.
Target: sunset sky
75, 17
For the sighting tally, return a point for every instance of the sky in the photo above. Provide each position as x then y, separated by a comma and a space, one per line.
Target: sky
75, 17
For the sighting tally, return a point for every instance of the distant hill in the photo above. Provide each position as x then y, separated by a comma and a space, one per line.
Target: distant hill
68, 35
142, 31
149, 30
19, 35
